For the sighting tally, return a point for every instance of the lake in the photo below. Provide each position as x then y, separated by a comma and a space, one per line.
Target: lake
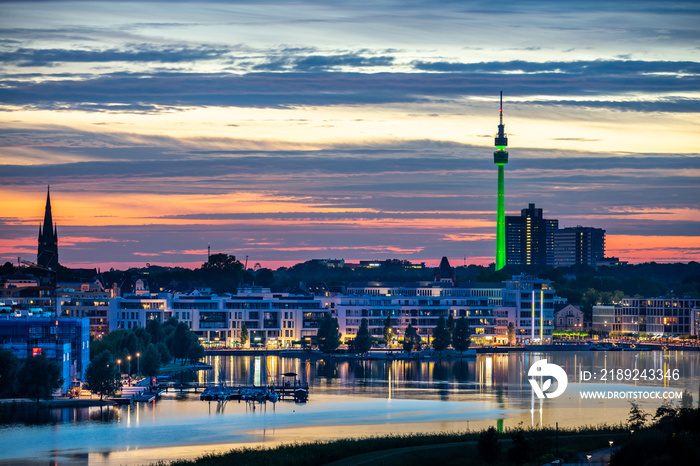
347, 398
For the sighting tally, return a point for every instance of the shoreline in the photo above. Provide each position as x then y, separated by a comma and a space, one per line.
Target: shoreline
56, 403
398, 354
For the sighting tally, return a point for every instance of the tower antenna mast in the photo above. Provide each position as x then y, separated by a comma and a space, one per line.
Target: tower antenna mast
500, 158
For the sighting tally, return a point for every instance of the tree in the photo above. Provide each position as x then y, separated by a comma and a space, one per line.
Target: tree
155, 330
441, 335
129, 346
223, 272
461, 339
222, 262
519, 452
687, 400
511, 333
39, 377
9, 367
163, 353
150, 362
181, 342
664, 412
264, 277
487, 445
363, 340
328, 335
245, 336
388, 330
411, 340
451, 327
102, 375
637, 418
7, 269
196, 350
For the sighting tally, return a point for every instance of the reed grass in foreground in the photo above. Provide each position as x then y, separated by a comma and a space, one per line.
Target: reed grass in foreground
451, 448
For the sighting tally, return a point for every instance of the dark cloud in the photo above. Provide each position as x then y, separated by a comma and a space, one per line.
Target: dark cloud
149, 92
663, 104
323, 62
143, 53
589, 68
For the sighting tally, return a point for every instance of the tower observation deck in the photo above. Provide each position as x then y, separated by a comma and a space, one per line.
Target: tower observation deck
500, 158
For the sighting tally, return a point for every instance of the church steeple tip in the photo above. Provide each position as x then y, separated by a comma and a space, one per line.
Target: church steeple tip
47, 254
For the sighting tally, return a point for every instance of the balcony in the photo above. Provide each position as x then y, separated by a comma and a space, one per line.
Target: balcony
272, 323
207, 325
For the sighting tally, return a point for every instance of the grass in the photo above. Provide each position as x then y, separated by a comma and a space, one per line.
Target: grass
451, 448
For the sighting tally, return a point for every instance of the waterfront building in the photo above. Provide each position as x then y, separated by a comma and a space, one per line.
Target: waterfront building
529, 303
530, 238
420, 304
659, 316
272, 319
284, 319
66, 340
88, 300
579, 245
569, 317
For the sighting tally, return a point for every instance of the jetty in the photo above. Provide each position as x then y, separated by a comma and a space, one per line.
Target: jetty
298, 393
132, 394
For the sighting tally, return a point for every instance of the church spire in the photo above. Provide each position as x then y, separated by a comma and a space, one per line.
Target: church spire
47, 253
48, 219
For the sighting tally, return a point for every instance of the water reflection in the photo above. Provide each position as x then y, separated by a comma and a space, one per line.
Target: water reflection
32, 415
347, 397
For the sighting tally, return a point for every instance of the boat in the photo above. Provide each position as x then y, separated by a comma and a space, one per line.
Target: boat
301, 394
253, 394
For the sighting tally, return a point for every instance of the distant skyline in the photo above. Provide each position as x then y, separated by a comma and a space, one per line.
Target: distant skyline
292, 130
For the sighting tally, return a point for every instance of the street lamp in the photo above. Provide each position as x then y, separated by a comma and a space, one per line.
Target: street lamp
138, 365
588, 457
119, 361
129, 359
610, 442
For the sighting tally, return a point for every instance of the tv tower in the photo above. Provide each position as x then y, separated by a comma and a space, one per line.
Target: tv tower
500, 158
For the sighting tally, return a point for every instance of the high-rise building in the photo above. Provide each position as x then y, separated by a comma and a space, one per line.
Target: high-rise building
579, 245
530, 238
500, 158
47, 254
529, 303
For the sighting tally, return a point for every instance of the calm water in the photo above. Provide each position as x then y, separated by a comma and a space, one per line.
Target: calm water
347, 399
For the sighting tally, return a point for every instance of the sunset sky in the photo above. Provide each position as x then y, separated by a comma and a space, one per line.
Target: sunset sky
291, 130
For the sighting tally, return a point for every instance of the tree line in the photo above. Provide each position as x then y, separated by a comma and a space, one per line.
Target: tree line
580, 284
36, 377
447, 332
148, 348
132, 352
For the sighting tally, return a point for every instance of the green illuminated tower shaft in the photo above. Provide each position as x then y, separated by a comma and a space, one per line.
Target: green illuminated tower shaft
500, 158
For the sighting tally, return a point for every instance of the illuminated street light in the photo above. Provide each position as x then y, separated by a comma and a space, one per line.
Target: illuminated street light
138, 360
611, 443
129, 359
119, 361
